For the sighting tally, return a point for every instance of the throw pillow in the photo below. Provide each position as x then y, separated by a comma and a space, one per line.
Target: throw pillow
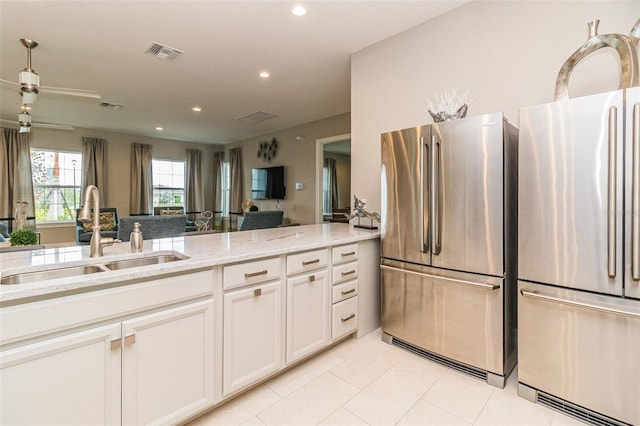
107, 222
171, 211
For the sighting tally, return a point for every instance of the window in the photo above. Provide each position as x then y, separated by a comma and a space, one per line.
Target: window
56, 184
226, 187
168, 183
326, 191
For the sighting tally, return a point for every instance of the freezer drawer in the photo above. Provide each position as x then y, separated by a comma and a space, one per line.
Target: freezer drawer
581, 347
449, 315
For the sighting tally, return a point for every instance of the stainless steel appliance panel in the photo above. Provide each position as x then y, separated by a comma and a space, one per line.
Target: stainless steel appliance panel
453, 314
632, 194
581, 347
570, 193
405, 195
468, 195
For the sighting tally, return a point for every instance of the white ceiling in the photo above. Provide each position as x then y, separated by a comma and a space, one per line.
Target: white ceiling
100, 45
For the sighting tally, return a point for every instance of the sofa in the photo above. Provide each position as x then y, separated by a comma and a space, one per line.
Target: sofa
108, 223
162, 226
261, 220
176, 210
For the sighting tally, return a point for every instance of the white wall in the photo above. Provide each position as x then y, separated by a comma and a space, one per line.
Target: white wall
505, 53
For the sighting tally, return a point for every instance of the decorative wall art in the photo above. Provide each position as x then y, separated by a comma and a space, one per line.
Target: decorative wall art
268, 150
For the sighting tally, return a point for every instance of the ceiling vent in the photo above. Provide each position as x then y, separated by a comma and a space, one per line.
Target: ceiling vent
257, 117
163, 52
111, 106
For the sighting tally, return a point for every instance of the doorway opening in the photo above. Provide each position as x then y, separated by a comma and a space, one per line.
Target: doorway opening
333, 177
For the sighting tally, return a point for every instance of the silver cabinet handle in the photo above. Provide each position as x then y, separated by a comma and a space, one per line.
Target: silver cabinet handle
256, 274
635, 196
345, 292
584, 305
312, 278
611, 189
257, 292
437, 201
353, 271
310, 262
348, 317
471, 283
350, 253
130, 340
425, 151
116, 344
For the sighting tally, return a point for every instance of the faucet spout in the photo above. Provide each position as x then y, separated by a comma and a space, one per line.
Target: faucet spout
92, 196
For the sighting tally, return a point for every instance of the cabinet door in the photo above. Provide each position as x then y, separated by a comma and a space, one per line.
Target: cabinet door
252, 335
67, 380
308, 308
168, 364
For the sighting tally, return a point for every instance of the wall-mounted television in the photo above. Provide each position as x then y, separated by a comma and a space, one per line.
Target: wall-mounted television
267, 183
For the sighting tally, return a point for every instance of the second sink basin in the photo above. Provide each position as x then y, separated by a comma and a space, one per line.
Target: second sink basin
73, 271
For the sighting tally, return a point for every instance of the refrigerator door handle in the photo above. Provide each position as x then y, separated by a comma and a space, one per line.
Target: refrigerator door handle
424, 194
436, 195
584, 305
470, 283
611, 188
635, 196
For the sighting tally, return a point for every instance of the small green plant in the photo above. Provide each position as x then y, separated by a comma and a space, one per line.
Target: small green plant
24, 237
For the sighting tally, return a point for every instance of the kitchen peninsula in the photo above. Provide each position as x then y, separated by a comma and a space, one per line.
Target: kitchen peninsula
126, 342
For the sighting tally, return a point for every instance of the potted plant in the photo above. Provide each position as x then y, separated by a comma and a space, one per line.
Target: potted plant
23, 237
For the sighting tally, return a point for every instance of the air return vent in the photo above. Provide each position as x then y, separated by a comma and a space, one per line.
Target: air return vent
257, 117
111, 106
163, 52
463, 368
576, 411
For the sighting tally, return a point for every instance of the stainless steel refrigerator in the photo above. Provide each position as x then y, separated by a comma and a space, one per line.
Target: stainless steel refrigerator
448, 229
579, 256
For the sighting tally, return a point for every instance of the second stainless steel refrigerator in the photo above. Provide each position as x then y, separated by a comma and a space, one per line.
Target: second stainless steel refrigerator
449, 205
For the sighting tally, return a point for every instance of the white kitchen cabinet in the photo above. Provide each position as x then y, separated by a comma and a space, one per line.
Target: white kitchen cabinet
308, 309
168, 364
252, 343
72, 379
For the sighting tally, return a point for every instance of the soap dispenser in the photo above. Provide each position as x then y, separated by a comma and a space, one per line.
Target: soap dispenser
136, 238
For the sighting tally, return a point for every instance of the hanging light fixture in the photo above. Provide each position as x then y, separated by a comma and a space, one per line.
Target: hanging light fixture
29, 80
24, 119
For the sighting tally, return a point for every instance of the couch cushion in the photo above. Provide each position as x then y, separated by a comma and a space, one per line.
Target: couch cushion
171, 211
86, 236
107, 222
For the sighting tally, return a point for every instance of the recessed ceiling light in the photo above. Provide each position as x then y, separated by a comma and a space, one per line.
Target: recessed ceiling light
264, 74
196, 109
299, 11
159, 129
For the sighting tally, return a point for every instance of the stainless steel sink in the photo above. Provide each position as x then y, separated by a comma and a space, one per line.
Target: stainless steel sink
74, 271
143, 261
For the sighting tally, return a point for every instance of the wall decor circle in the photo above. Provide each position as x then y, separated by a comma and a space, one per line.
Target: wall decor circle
268, 150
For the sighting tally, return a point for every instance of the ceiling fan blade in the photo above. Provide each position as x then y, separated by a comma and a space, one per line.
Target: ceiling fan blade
69, 92
41, 125
10, 84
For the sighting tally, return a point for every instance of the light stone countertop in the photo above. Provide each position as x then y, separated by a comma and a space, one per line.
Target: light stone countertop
204, 251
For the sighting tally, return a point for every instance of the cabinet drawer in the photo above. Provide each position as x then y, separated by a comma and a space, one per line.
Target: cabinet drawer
345, 272
250, 273
344, 318
307, 261
343, 254
344, 291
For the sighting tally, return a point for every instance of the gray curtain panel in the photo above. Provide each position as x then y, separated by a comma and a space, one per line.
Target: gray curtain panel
330, 163
218, 159
94, 166
194, 190
236, 184
141, 199
16, 183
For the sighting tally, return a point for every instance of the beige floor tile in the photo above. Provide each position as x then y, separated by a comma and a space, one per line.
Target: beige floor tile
425, 414
388, 398
505, 408
428, 371
462, 396
310, 404
342, 417
368, 365
302, 374
560, 419
253, 421
240, 409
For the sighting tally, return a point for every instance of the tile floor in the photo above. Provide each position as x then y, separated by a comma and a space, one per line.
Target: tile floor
368, 382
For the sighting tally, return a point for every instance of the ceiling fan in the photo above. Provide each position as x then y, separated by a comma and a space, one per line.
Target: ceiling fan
29, 82
24, 128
